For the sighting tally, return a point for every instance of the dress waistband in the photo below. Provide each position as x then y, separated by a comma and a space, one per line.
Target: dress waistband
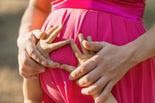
128, 10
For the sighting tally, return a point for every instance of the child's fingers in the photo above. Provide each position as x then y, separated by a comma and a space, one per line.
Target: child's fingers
67, 68
57, 45
76, 50
81, 39
53, 64
94, 46
54, 34
51, 30
39, 34
90, 40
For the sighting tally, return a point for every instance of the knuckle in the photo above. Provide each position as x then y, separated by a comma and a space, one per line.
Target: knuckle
108, 89
96, 58
83, 69
22, 71
37, 58
45, 63
24, 62
21, 74
94, 90
104, 95
96, 86
87, 79
31, 52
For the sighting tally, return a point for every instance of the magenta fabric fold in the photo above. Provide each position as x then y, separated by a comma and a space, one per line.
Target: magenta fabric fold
123, 8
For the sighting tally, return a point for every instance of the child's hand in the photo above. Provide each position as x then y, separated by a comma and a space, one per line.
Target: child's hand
45, 45
83, 57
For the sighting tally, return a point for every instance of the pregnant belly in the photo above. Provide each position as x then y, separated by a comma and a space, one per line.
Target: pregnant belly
64, 55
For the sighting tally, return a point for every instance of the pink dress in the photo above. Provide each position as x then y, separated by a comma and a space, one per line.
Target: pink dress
115, 21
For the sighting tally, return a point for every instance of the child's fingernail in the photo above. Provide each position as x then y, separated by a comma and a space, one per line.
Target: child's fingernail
57, 65
71, 77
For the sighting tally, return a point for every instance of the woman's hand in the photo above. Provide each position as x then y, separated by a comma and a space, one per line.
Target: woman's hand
101, 72
83, 57
30, 57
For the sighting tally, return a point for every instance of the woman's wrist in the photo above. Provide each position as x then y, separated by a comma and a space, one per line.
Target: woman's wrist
143, 47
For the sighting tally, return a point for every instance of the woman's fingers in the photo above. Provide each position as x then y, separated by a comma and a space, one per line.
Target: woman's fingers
83, 69
88, 80
96, 87
57, 45
76, 50
105, 93
35, 54
67, 68
27, 66
53, 34
111, 99
81, 39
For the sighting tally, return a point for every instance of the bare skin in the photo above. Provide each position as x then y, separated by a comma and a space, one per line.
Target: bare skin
83, 57
140, 49
31, 87
34, 95
122, 59
28, 63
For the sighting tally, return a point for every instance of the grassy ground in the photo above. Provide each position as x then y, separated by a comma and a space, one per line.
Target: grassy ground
10, 15
10, 86
10, 81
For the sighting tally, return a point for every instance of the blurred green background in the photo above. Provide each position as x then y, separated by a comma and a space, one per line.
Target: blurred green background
11, 12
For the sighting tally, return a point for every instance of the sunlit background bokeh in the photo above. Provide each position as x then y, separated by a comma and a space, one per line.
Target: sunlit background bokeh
11, 12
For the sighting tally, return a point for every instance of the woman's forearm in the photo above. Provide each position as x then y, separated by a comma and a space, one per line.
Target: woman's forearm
34, 16
144, 46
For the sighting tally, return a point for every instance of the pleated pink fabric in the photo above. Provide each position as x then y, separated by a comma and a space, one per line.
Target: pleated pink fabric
115, 21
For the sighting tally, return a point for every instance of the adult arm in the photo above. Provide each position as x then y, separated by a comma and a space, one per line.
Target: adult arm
34, 16
100, 73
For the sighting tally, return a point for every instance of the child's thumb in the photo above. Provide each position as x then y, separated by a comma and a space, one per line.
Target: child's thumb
92, 46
